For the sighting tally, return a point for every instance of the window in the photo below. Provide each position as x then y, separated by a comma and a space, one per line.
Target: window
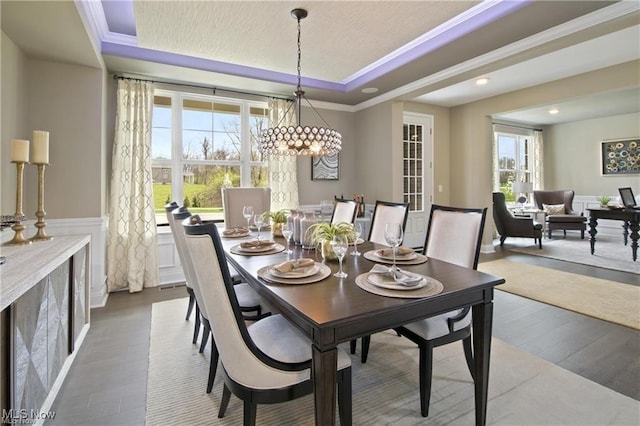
202, 143
515, 161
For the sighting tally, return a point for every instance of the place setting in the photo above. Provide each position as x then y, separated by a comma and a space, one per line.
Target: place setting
239, 232
395, 282
257, 247
395, 252
295, 271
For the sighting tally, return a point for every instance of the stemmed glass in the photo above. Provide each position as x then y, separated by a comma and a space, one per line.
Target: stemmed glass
258, 220
393, 235
287, 233
247, 212
357, 232
340, 245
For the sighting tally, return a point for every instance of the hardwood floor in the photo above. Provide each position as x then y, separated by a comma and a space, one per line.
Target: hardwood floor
107, 383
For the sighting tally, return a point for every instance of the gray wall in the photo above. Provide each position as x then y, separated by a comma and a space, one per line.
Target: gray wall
14, 118
572, 155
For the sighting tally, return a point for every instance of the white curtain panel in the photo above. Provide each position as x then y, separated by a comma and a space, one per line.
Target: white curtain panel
283, 169
132, 255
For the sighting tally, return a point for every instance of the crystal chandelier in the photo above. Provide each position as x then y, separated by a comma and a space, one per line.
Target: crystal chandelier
299, 139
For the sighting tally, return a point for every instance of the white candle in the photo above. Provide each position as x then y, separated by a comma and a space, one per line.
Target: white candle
40, 147
19, 151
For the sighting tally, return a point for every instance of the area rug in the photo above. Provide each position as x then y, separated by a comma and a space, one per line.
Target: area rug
603, 299
523, 390
610, 252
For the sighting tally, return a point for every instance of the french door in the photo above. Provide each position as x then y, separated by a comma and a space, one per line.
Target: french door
417, 170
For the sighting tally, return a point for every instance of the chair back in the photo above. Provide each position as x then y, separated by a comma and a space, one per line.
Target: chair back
242, 361
234, 199
562, 196
501, 214
344, 211
454, 235
170, 209
386, 212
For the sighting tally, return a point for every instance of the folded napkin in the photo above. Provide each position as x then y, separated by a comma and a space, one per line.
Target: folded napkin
400, 251
257, 244
235, 231
406, 278
291, 265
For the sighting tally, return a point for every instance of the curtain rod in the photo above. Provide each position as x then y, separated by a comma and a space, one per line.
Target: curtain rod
517, 127
214, 88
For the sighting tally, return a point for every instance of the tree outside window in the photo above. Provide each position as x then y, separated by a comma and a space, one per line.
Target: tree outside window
201, 144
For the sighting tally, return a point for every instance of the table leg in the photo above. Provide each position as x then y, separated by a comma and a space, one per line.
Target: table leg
635, 234
482, 323
593, 222
324, 370
625, 231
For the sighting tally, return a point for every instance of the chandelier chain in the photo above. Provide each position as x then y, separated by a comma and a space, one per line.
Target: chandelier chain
299, 57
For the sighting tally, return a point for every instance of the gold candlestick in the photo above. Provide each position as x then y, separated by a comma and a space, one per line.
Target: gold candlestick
18, 227
40, 214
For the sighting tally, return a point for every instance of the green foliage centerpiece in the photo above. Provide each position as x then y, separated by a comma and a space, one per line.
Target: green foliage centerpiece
278, 218
322, 233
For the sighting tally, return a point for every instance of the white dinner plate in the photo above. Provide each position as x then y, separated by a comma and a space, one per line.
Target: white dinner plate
296, 273
409, 256
385, 281
258, 249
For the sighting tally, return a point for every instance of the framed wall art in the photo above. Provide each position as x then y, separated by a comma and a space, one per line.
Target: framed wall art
620, 157
325, 168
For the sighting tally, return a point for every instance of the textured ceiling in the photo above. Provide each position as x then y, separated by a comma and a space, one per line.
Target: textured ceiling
338, 38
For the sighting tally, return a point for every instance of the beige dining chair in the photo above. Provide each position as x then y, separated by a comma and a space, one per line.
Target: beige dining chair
266, 362
248, 300
234, 199
344, 211
454, 235
386, 212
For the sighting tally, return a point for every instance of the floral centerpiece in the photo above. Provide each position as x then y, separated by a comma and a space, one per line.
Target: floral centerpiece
278, 218
322, 233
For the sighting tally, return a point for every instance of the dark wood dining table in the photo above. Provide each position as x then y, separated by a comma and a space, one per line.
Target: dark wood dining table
334, 310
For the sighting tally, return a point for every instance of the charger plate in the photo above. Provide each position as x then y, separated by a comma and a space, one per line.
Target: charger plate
276, 248
371, 255
431, 288
323, 272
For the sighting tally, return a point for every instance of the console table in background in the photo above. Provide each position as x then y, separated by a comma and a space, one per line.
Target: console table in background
631, 221
44, 307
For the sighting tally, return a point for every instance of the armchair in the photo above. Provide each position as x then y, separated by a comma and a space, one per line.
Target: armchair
509, 225
566, 218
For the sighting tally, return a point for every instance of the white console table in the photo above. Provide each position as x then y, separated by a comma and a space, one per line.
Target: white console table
44, 304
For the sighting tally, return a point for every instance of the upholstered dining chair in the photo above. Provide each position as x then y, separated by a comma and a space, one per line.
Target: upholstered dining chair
344, 211
248, 300
268, 361
234, 199
454, 235
169, 208
386, 212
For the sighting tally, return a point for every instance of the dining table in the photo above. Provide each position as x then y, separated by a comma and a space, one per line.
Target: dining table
335, 310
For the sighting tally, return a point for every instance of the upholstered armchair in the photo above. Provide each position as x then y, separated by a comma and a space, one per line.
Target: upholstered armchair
509, 225
558, 206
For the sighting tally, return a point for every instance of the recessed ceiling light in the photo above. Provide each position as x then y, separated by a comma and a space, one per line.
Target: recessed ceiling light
554, 111
370, 90
482, 81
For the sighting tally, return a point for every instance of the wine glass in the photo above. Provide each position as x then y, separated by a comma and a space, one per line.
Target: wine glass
287, 233
258, 220
247, 212
393, 235
340, 244
357, 232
